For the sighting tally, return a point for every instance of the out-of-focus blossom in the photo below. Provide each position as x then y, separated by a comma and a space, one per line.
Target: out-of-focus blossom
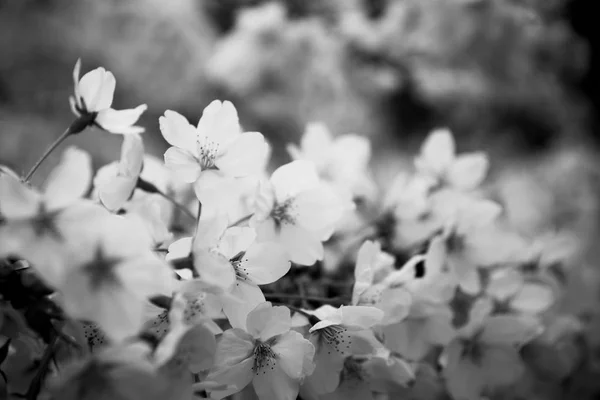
475, 238
438, 159
342, 161
485, 355
298, 211
113, 284
92, 100
119, 372
267, 354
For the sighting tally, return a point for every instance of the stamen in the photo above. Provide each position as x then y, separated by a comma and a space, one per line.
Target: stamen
284, 213
207, 153
264, 357
335, 336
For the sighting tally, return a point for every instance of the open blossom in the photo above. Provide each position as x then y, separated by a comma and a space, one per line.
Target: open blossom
438, 160
92, 102
475, 238
216, 146
112, 284
267, 354
372, 286
336, 334
298, 211
342, 161
485, 355
232, 259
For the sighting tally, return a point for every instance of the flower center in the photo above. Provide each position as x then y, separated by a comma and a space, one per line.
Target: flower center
102, 272
472, 350
237, 262
264, 357
353, 370
207, 153
283, 213
335, 336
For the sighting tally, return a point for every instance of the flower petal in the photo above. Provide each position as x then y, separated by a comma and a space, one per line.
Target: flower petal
177, 131
70, 180
219, 123
533, 298
179, 249
183, 164
514, 330
237, 375
362, 317
265, 263
245, 297
121, 121
266, 321
468, 171
214, 269
437, 152
295, 354
236, 240
97, 88
275, 384
245, 156
17, 200
303, 247
293, 178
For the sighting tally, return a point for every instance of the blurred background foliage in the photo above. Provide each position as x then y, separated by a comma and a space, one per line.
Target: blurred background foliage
515, 78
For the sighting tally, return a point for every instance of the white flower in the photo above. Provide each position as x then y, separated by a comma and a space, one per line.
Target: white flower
216, 146
486, 353
298, 211
92, 100
476, 239
438, 159
267, 354
336, 334
342, 161
111, 285
239, 262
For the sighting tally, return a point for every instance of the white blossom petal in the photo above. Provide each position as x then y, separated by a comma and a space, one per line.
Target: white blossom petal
245, 156
70, 180
265, 263
266, 321
178, 132
121, 121
183, 164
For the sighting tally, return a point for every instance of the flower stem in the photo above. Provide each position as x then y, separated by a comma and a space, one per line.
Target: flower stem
177, 205
300, 297
151, 188
48, 151
241, 220
38, 379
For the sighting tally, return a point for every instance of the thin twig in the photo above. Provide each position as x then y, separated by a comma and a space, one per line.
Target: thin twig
300, 297
176, 204
48, 151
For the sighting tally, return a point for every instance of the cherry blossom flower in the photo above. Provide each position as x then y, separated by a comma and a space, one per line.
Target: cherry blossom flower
238, 260
216, 146
342, 161
117, 372
111, 285
336, 334
187, 349
438, 159
476, 239
485, 355
298, 211
267, 354
92, 100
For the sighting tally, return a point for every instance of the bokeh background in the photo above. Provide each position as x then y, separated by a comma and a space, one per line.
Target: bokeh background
515, 78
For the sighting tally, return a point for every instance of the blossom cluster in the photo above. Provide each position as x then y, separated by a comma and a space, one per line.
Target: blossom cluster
161, 274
